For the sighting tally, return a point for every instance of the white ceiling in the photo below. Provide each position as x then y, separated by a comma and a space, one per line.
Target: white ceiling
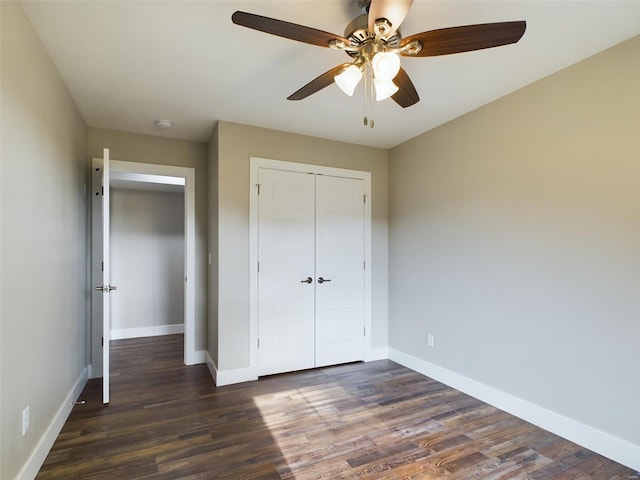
128, 63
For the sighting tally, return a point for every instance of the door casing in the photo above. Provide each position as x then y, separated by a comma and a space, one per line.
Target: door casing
188, 173
255, 165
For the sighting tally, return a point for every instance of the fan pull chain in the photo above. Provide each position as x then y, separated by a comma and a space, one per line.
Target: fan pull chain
372, 104
368, 96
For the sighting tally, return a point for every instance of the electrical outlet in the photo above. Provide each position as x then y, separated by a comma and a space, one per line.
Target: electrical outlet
430, 340
25, 420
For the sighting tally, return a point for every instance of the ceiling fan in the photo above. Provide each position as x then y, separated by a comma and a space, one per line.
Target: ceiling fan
375, 44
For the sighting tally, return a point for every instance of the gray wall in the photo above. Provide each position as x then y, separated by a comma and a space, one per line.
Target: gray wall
147, 258
236, 144
515, 239
135, 147
43, 261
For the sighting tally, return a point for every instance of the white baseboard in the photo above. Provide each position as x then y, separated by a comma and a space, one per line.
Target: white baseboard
213, 370
379, 353
199, 356
228, 377
237, 375
617, 449
39, 454
120, 333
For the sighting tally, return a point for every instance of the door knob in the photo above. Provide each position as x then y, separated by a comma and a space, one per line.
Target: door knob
322, 280
308, 280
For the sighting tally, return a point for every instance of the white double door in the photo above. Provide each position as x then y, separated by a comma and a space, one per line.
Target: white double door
311, 271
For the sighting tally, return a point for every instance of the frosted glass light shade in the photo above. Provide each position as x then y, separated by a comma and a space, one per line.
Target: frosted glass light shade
386, 65
348, 79
384, 89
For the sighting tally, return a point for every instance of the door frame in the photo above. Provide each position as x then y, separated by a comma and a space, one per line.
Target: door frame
188, 173
257, 163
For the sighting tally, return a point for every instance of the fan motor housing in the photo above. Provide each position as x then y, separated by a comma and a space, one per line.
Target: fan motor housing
357, 32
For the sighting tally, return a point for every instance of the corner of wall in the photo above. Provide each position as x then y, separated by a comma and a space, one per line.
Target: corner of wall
213, 251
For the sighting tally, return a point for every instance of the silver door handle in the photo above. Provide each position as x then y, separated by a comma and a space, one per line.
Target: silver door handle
308, 280
322, 280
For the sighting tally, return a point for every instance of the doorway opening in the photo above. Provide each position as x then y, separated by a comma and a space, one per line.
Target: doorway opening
147, 257
155, 197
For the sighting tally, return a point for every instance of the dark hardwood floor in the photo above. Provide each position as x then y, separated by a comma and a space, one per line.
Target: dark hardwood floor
358, 421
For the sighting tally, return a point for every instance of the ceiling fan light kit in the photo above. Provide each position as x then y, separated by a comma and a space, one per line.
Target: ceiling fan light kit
348, 79
386, 65
384, 88
375, 43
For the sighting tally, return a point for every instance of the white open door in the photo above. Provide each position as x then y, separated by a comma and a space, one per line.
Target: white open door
101, 169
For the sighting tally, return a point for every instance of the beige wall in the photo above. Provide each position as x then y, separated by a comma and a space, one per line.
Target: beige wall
43, 311
515, 240
134, 147
236, 144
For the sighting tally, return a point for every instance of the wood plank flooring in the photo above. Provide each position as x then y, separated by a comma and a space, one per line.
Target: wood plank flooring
376, 420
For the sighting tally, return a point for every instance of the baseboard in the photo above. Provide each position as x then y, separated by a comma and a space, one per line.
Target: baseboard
213, 370
379, 353
121, 333
617, 449
228, 377
199, 356
39, 454
237, 375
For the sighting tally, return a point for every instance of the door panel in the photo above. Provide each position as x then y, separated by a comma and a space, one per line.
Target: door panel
106, 279
101, 305
340, 259
286, 258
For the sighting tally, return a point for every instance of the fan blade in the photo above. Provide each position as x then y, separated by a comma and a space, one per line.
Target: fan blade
406, 94
284, 29
465, 39
317, 84
393, 10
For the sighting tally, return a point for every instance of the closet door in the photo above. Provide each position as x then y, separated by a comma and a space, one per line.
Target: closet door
286, 253
339, 270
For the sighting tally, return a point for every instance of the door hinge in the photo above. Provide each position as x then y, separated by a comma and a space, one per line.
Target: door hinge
102, 190
258, 343
102, 341
258, 185
364, 331
102, 266
258, 267
364, 199
364, 264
